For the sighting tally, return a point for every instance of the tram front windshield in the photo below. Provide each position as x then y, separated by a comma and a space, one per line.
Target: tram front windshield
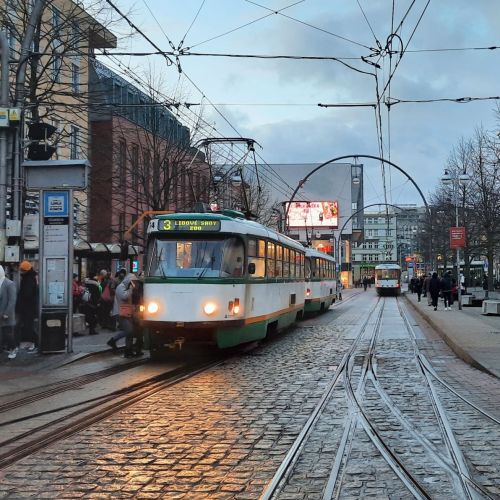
387, 274
196, 258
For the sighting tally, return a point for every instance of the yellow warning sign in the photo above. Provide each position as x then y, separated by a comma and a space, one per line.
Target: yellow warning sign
15, 114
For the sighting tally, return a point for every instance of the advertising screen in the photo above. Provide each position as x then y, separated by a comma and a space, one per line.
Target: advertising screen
313, 214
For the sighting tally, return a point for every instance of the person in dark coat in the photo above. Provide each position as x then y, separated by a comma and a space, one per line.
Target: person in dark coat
434, 288
27, 305
446, 286
417, 287
8, 297
89, 307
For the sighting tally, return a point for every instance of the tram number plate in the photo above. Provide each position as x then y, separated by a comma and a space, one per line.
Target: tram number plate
191, 225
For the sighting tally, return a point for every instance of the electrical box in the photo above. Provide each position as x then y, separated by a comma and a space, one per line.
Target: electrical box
13, 228
11, 253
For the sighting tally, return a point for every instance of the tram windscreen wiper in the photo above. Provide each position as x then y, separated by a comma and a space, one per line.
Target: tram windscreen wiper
208, 266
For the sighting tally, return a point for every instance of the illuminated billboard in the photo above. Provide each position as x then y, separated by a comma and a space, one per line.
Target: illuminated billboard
313, 214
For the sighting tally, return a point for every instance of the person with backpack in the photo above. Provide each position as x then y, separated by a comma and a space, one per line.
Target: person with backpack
90, 302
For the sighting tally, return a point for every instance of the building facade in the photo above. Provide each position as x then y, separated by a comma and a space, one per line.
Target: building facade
142, 160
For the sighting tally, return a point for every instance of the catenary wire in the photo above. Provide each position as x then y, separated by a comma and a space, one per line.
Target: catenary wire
311, 25
192, 23
244, 25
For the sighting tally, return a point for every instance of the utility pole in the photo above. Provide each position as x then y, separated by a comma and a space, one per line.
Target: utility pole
33, 21
4, 103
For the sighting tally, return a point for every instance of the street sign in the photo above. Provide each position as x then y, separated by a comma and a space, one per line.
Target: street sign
4, 117
457, 237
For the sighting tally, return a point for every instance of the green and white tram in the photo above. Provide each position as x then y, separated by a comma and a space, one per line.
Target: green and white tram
321, 283
220, 279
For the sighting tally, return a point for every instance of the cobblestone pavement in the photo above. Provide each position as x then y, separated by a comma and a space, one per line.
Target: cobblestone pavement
224, 433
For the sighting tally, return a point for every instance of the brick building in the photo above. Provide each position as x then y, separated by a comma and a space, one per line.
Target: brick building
141, 157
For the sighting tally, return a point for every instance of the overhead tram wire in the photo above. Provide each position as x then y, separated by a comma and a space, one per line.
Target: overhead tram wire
181, 43
369, 25
199, 90
186, 53
405, 48
311, 25
244, 25
159, 25
216, 109
136, 28
143, 83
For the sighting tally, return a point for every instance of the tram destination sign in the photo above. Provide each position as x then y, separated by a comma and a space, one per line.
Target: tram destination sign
190, 225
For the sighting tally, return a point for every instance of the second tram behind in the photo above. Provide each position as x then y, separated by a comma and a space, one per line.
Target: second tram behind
321, 284
388, 279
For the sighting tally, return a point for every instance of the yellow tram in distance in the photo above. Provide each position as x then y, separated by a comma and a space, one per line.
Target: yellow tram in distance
388, 279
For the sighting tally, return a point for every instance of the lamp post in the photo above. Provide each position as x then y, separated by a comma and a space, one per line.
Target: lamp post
456, 180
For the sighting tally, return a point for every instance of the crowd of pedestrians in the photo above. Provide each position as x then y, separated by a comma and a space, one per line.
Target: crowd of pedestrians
434, 287
18, 310
110, 302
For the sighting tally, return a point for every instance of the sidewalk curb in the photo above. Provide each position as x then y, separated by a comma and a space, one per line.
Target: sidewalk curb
456, 348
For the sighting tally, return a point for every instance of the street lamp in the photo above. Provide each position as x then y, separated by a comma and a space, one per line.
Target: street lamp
456, 180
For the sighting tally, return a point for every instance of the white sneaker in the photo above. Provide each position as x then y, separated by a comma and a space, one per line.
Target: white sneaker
13, 353
30, 346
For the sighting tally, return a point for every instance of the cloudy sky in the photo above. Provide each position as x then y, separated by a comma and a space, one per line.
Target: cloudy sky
274, 101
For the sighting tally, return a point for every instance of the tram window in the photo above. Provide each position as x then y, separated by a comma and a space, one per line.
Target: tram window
308, 269
194, 258
271, 266
301, 269
286, 262
258, 248
262, 248
232, 259
279, 261
292, 264
252, 248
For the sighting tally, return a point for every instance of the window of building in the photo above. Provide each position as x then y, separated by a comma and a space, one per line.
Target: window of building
56, 63
122, 163
56, 19
134, 165
74, 142
75, 78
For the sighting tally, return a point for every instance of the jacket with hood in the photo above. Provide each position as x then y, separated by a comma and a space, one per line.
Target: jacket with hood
8, 296
27, 298
123, 293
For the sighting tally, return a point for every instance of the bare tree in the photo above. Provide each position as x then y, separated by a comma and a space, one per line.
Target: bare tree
155, 164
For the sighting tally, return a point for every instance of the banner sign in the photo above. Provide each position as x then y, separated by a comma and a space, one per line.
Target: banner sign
457, 237
313, 214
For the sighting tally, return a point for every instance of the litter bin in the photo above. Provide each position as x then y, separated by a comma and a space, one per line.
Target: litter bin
53, 331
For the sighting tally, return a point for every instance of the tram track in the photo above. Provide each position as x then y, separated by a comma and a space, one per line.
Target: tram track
68, 385
44, 435
357, 414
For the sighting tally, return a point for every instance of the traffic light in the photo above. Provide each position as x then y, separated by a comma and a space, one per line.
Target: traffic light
40, 151
40, 132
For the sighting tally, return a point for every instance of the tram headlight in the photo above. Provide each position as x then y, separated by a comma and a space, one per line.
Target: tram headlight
236, 308
209, 308
153, 307
308, 292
